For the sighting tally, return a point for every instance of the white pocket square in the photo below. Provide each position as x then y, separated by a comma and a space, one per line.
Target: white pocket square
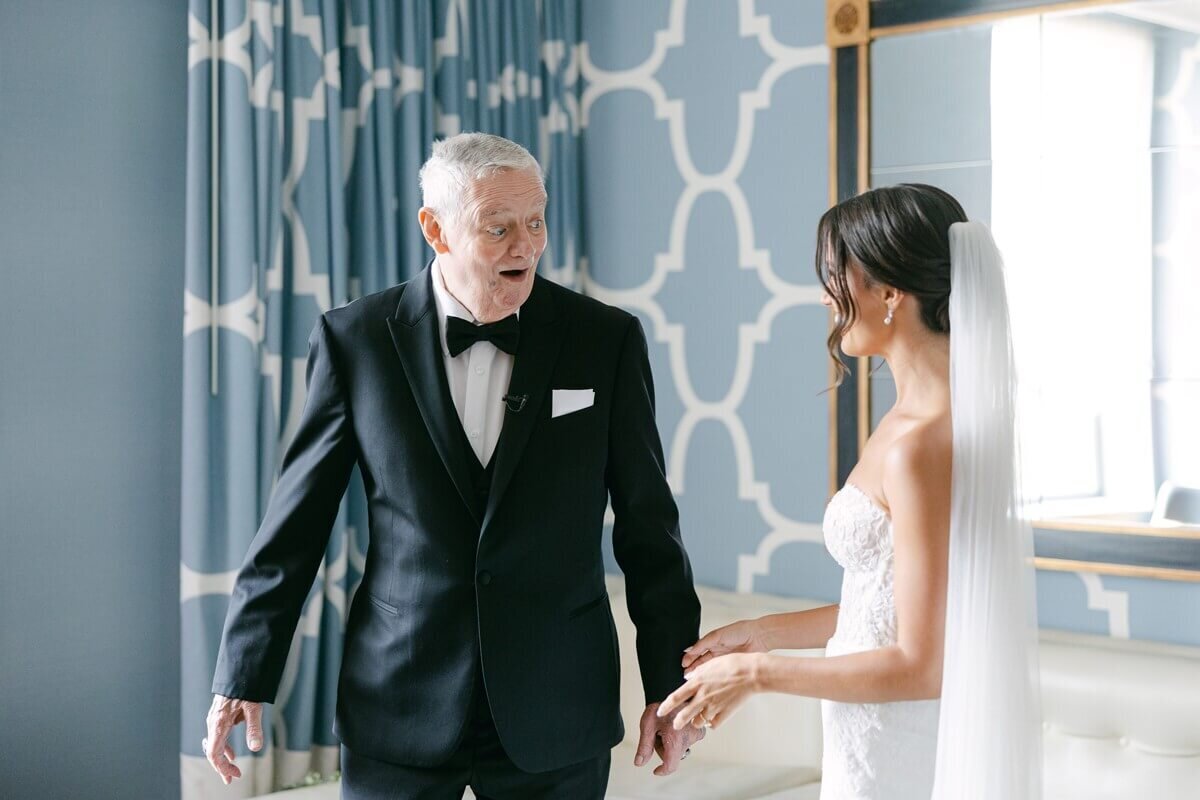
566, 401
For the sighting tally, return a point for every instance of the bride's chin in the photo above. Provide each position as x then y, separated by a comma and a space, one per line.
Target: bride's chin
854, 349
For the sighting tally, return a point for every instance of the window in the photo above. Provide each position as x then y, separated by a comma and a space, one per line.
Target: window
1072, 201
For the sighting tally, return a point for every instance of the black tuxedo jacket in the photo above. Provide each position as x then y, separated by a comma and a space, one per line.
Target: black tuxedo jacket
515, 587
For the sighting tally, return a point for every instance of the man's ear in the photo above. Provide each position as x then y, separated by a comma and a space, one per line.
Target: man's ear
435, 234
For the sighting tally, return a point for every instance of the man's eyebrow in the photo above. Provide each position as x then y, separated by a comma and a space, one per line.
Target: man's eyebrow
498, 210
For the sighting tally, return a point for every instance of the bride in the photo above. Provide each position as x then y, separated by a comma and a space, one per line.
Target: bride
928, 684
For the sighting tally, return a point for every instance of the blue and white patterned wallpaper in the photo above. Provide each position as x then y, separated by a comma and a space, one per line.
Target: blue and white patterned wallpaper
705, 157
706, 169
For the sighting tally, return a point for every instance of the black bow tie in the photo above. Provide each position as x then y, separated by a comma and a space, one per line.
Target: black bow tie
461, 334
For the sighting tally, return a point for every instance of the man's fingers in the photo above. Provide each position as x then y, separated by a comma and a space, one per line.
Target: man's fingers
649, 729
220, 725
672, 751
229, 754
217, 754
254, 731
218, 733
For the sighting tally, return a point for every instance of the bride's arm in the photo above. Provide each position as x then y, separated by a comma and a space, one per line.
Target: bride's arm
795, 630
917, 484
798, 630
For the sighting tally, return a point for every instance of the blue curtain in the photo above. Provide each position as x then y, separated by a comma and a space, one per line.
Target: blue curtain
302, 195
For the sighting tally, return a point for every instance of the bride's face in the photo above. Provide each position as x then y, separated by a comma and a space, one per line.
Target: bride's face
869, 334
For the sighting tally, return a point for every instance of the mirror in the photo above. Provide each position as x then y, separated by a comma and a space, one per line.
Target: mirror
1076, 136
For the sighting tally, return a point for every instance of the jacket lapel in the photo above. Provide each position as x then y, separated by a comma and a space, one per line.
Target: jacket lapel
417, 338
541, 341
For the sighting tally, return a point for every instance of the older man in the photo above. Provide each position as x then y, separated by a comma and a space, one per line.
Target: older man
493, 414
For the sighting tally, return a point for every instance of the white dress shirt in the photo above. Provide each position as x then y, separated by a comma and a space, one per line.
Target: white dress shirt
478, 376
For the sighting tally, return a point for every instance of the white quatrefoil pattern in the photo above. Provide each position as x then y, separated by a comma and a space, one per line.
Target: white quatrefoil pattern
705, 153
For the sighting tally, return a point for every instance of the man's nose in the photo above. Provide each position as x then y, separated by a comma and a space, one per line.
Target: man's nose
522, 246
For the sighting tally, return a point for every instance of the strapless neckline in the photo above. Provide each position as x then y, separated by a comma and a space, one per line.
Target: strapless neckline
867, 500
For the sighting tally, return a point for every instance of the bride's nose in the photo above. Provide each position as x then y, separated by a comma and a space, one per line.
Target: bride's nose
826, 300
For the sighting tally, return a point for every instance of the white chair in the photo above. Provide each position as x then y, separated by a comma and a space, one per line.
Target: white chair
771, 748
1175, 503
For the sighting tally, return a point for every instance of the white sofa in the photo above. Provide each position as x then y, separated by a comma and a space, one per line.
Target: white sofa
1122, 722
771, 748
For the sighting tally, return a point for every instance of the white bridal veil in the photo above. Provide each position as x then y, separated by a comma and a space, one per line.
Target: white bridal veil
989, 734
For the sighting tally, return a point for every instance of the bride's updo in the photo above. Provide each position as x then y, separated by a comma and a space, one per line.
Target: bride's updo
900, 236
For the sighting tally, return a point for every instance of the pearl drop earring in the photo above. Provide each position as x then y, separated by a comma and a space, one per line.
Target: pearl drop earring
888, 319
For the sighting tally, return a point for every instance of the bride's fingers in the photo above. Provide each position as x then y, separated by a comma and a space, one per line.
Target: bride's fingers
694, 652
676, 699
706, 644
688, 714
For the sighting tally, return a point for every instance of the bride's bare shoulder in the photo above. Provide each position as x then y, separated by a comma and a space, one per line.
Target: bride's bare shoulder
921, 455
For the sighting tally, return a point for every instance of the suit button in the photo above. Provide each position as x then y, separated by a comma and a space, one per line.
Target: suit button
485, 577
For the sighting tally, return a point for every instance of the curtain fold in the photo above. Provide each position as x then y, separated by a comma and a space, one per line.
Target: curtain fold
302, 195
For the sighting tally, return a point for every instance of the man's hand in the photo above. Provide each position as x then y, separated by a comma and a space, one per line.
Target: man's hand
658, 736
223, 715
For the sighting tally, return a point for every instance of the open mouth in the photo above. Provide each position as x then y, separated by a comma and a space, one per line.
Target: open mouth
513, 274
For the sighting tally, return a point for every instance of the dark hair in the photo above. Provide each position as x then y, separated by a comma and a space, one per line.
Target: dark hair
901, 237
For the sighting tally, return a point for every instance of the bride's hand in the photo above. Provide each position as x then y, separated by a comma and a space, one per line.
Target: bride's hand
713, 691
743, 636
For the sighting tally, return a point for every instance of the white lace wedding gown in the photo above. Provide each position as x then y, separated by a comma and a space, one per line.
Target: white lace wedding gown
873, 751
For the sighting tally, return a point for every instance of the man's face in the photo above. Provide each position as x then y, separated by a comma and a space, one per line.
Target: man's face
493, 247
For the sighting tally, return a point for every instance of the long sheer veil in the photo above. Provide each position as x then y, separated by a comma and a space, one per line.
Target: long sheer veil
989, 734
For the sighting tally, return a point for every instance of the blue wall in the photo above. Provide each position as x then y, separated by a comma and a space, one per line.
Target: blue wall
705, 155
710, 257
91, 244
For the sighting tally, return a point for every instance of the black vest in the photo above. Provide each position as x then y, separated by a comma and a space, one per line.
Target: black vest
481, 476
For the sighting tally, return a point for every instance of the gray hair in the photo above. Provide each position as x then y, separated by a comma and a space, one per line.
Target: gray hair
460, 160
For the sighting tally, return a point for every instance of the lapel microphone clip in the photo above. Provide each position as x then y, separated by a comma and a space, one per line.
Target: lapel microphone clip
515, 402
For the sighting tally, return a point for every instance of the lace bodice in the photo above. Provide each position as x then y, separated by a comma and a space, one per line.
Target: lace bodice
859, 537
872, 750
